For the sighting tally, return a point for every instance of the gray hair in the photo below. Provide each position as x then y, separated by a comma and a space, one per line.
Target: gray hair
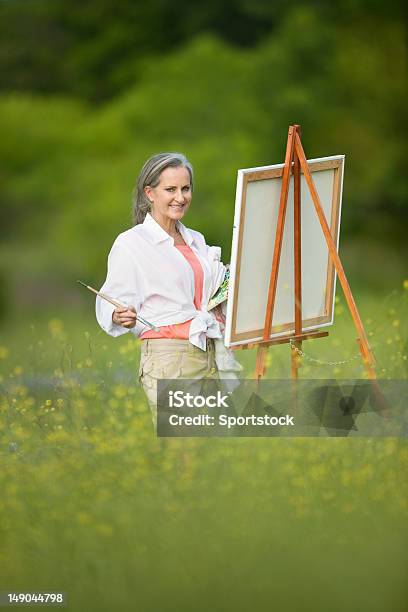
150, 176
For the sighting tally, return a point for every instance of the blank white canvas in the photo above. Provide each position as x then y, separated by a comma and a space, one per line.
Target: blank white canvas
261, 214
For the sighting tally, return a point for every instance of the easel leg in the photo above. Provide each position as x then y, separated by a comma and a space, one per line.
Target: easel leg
273, 280
295, 365
297, 243
260, 363
295, 359
367, 360
365, 349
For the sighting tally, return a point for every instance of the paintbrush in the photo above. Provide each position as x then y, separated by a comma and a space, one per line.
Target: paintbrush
117, 304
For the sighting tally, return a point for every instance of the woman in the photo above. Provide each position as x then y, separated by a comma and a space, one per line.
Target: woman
166, 273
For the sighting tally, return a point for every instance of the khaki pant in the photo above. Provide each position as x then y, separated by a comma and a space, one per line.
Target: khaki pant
164, 358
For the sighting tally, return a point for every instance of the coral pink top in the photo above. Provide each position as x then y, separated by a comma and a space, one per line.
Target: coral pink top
181, 331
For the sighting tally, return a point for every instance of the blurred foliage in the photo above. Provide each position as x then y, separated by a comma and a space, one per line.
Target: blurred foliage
95, 48
68, 167
4, 297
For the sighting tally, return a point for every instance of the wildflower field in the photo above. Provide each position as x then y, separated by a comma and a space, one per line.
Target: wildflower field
94, 505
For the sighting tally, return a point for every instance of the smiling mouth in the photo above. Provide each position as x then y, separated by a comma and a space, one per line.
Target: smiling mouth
176, 205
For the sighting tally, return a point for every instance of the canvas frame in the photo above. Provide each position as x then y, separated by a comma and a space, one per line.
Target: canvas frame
234, 337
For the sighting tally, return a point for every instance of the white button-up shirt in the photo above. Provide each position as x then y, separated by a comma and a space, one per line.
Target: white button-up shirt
146, 271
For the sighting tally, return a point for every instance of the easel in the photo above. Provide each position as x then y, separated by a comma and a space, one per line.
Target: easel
295, 154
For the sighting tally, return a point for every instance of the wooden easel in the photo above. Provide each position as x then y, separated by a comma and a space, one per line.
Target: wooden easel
295, 154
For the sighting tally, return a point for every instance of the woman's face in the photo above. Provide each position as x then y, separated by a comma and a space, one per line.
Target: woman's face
172, 196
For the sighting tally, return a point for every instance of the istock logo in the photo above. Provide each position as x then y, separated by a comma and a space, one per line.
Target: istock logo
179, 399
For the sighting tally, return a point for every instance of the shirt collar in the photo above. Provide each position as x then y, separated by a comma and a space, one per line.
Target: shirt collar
158, 234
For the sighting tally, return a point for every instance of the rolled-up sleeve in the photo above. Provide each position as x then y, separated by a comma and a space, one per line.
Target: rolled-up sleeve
122, 284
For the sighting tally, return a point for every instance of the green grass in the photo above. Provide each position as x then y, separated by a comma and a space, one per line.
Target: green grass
94, 505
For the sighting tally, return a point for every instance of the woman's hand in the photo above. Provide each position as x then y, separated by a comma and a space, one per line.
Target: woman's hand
126, 317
